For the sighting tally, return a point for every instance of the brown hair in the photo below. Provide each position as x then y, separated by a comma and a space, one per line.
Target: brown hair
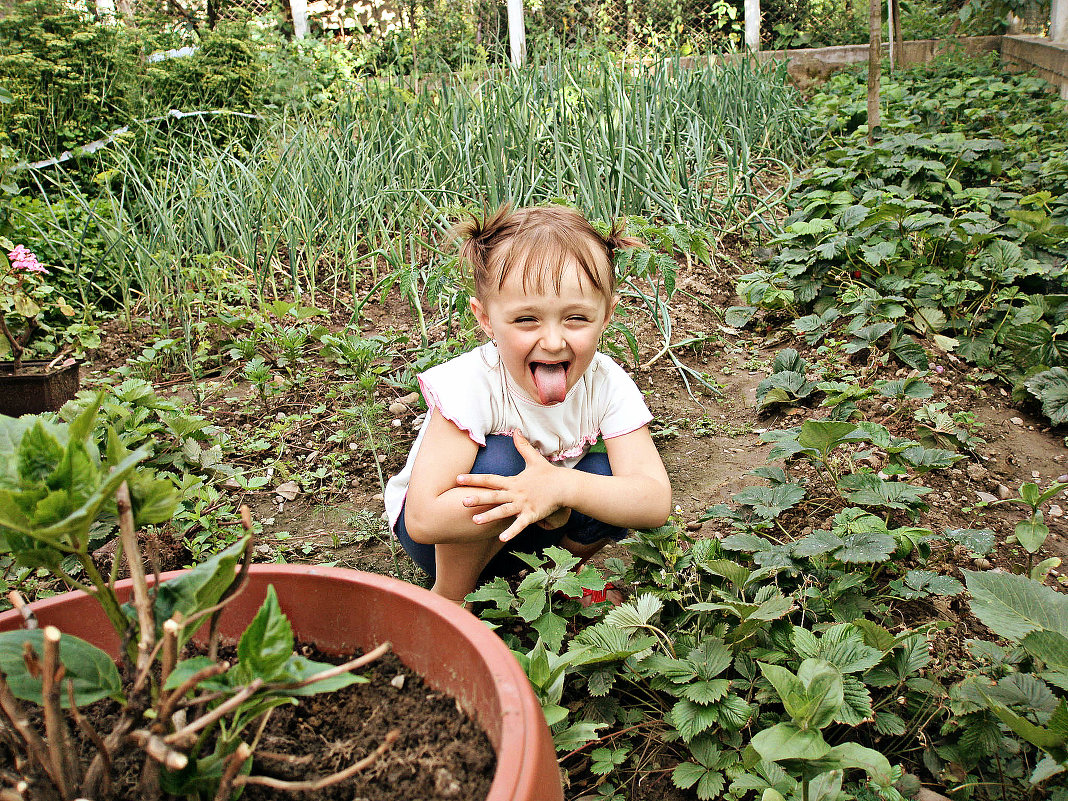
540, 241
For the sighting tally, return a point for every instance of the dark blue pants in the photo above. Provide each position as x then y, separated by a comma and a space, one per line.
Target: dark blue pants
499, 457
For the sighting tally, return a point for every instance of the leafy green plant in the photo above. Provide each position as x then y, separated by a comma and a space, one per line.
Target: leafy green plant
54, 486
787, 384
24, 298
1031, 534
812, 698
1026, 612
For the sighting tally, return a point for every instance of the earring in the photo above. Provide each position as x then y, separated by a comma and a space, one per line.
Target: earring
493, 342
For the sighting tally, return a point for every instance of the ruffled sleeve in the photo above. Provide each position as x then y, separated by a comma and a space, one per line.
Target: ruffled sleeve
625, 409
461, 391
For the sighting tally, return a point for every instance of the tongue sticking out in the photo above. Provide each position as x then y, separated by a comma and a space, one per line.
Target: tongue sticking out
551, 381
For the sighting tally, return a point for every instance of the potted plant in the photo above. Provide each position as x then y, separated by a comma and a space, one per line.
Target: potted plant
28, 387
57, 483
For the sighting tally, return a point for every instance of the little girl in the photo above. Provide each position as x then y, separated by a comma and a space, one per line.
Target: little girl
503, 462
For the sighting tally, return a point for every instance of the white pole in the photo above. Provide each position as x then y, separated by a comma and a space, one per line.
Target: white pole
517, 32
1058, 20
752, 24
890, 30
300, 18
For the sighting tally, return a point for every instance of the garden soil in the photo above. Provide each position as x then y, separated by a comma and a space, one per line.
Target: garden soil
709, 440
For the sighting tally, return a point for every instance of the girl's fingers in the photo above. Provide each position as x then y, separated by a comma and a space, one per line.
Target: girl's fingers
514, 529
483, 480
487, 498
496, 513
526, 450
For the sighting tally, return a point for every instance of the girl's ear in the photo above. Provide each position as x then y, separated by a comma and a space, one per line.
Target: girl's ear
479, 310
611, 312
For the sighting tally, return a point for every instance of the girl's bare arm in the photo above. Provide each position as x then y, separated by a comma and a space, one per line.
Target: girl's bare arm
636, 495
434, 511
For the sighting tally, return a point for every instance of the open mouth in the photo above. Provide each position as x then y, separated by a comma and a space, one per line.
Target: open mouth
550, 379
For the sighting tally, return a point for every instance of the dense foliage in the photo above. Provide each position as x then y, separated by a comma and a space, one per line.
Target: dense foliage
953, 226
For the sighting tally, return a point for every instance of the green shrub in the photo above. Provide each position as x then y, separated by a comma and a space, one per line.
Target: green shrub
225, 72
69, 77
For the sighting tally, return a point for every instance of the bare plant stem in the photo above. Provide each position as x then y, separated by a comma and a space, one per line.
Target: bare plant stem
220, 711
325, 781
170, 703
55, 729
145, 618
92, 735
34, 744
17, 601
233, 766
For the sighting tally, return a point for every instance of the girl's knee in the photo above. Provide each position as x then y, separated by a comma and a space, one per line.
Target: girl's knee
498, 457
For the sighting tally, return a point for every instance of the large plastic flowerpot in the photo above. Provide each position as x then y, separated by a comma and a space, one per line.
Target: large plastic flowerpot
36, 387
342, 610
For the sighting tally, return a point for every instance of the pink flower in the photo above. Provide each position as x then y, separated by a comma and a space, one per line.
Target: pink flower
24, 260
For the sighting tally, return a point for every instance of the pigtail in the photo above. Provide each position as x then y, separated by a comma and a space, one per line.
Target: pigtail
478, 236
615, 240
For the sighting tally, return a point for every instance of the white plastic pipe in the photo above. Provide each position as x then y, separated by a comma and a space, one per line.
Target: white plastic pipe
517, 32
1058, 20
752, 24
299, 8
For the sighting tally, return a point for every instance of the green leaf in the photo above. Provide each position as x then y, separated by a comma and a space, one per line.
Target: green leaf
1012, 606
824, 435
687, 774
813, 697
1048, 646
551, 627
867, 489
1031, 534
711, 785
266, 644
922, 583
194, 590
770, 502
854, 755
1051, 389
39, 454
786, 741
706, 692
691, 719
188, 668
904, 388
739, 316
978, 541
92, 671
298, 668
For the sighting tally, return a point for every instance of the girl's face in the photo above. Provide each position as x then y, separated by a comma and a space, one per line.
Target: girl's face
546, 340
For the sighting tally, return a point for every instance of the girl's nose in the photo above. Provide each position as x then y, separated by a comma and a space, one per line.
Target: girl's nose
552, 338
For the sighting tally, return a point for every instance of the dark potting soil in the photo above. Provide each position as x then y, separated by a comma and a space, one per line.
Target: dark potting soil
440, 753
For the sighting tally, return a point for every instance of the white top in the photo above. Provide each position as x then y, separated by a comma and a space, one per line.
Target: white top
475, 392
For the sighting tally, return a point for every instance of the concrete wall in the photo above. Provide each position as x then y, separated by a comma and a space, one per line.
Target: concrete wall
813, 65
1037, 52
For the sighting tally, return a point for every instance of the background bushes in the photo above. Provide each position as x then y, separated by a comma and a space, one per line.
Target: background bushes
74, 79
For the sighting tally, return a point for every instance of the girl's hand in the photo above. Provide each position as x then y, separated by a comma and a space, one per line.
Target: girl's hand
531, 497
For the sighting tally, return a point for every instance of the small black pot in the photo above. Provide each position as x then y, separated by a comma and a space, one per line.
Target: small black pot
36, 388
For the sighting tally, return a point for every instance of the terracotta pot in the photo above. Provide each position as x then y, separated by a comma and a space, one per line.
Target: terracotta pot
341, 610
36, 388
